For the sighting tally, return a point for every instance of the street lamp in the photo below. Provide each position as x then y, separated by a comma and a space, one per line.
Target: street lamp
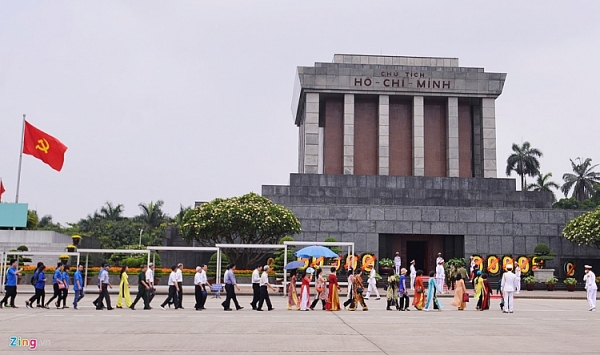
141, 231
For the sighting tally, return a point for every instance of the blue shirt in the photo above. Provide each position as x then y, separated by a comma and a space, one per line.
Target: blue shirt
11, 276
229, 277
40, 283
65, 276
77, 277
402, 281
57, 276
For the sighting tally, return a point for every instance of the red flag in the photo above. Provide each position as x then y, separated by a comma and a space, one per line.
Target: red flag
44, 147
1, 190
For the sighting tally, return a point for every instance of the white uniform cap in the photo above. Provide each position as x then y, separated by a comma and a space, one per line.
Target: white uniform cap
509, 266
588, 266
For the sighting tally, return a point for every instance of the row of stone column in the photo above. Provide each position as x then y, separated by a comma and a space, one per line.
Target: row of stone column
313, 136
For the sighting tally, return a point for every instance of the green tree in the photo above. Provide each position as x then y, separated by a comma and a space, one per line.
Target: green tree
152, 214
585, 229
542, 183
524, 162
582, 181
32, 220
279, 255
110, 212
249, 219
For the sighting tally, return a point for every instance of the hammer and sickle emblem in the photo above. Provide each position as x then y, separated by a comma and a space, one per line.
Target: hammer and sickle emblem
43, 145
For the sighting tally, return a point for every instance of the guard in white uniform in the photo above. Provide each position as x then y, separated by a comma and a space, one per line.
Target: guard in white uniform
397, 262
590, 287
508, 286
440, 276
372, 284
518, 275
413, 275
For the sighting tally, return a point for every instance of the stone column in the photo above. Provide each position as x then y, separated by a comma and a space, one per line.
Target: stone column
384, 135
477, 132
488, 123
321, 150
311, 134
418, 137
348, 134
452, 150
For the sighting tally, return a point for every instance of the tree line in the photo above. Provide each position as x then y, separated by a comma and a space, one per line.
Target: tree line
112, 228
583, 183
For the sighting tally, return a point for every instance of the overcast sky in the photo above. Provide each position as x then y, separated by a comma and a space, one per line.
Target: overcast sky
190, 100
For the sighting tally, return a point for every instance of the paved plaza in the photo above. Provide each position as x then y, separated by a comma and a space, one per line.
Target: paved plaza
538, 326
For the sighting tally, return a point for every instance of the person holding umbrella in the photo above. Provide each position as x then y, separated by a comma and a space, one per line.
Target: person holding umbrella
292, 293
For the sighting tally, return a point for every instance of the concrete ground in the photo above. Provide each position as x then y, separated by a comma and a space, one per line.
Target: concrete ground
538, 326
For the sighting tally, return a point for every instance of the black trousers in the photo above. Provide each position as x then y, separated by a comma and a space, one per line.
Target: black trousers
143, 294
179, 303
316, 300
57, 293
229, 289
98, 301
105, 296
404, 301
10, 292
255, 294
63, 294
264, 297
203, 296
172, 297
151, 293
198, 296
40, 296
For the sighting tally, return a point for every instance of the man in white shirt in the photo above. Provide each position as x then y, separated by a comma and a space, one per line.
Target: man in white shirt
150, 282
397, 262
518, 276
173, 289
179, 300
590, 287
255, 287
372, 284
264, 293
413, 275
508, 286
198, 288
440, 276
204, 282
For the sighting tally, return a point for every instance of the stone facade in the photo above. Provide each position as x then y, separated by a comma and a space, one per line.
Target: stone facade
490, 214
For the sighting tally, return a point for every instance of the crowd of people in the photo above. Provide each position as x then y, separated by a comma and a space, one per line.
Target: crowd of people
327, 288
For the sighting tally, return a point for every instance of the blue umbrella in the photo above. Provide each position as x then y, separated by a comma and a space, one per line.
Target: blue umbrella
294, 265
315, 251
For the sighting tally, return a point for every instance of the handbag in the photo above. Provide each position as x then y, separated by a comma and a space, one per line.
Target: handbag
320, 288
419, 290
465, 297
61, 285
359, 290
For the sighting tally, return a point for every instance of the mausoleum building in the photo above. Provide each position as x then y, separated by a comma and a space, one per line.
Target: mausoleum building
399, 154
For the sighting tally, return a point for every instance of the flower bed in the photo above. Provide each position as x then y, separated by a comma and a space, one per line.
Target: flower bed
116, 270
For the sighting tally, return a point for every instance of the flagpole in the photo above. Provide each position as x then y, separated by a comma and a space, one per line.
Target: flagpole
20, 160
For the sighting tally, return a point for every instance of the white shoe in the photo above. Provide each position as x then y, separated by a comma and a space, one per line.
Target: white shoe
593, 309
426, 310
518, 292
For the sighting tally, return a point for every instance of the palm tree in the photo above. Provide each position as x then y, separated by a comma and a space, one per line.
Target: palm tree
582, 181
152, 214
542, 184
110, 212
524, 162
